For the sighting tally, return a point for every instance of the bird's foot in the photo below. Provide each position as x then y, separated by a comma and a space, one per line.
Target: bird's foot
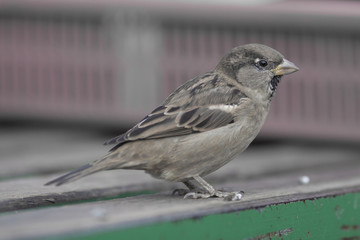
207, 191
197, 195
183, 192
227, 196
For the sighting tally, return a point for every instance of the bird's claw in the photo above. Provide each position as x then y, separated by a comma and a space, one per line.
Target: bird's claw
196, 195
227, 196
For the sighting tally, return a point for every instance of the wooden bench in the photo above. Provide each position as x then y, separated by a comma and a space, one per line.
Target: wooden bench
127, 204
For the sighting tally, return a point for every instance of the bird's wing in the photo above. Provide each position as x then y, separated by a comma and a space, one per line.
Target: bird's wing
199, 105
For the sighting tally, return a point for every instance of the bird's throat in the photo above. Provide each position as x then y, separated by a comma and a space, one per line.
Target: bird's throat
274, 84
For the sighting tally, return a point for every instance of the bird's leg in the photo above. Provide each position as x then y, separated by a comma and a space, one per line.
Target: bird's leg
211, 192
191, 186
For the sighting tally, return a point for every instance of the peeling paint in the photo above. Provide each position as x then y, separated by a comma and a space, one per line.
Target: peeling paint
356, 199
280, 233
351, 238
338, 212
350, 227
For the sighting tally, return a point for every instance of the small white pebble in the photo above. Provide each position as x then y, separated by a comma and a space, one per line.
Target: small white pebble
234, 196
237, 196
99, 213
304, 180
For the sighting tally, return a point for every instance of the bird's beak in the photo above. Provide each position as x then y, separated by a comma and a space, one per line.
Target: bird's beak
286, 67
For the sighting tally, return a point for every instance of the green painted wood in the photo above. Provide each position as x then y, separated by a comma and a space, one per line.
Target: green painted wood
324, 218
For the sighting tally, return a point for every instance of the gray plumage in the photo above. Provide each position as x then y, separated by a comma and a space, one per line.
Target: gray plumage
202, 125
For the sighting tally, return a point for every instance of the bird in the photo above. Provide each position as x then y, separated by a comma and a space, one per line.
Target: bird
202, 125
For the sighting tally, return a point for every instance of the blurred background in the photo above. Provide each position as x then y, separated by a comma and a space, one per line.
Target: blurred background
76, 72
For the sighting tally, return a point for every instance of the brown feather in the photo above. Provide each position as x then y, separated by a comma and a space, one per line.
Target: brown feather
187, 111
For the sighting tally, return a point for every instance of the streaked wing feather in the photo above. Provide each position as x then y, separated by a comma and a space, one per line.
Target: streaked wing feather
152, 119
160, 125
199, 105
115, 140
217, 119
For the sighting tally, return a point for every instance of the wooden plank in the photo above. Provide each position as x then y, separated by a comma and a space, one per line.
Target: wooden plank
31, 192
268, 174
150, 209
258, 162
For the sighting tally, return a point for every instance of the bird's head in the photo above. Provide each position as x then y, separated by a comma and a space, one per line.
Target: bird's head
257, 67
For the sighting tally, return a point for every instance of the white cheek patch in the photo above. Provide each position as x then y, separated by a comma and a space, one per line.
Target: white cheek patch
224, 107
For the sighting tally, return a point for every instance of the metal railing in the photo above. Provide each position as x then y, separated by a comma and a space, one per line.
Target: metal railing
114, 64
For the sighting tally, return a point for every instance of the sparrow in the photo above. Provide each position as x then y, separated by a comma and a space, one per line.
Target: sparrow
201, 126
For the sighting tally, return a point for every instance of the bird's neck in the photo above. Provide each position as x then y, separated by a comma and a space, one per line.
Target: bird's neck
259, 96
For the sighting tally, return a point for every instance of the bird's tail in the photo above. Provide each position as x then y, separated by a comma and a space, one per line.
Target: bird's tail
102, 164
74, 175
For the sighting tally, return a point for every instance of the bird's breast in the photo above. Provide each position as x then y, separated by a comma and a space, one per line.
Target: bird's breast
203, 153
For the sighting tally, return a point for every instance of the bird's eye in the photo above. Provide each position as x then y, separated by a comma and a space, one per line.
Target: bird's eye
263, 63
260, 63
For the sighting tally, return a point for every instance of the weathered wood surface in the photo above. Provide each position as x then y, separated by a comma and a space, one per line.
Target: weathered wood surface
139, 210
258, 162
269, 174
30, 192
